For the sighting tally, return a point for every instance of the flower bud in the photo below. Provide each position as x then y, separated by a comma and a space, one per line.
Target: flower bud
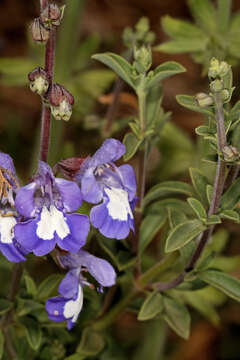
143, 57
39, 81
61, 102
216, 86
225, 95
203, 99
230, 153
39, 33
51, 15
218, 68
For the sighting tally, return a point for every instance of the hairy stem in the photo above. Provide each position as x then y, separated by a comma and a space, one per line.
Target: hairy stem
46, 112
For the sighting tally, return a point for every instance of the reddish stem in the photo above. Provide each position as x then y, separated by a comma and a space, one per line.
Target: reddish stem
46, 112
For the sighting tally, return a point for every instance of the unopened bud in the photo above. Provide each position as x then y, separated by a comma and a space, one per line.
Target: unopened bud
218, 68
51, 15
203, 100
39, 33
143, 57
216, 86
61, 102
225, 95
230, 153
39, 81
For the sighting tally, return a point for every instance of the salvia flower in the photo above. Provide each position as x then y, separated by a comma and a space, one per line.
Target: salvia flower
115, 187
39, 33
69, 305
51, 15
8, 216
45, 204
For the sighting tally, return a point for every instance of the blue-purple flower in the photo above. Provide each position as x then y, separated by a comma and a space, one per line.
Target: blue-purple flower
115, 187
69, 305
45, 204
8, 215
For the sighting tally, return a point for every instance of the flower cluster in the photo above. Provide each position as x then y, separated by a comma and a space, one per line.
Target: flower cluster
37, 217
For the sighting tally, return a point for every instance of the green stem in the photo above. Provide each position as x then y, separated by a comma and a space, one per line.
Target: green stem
113, 314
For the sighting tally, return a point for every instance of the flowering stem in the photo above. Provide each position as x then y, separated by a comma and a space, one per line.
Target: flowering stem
215, 201
46, 112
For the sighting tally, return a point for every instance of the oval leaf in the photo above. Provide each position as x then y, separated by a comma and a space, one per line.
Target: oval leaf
132, 144
48, 285
222, 281
200, 183
189, 102
231, 197
117, 64
197, 207
166, 188
177, 317
164, 71
33, 332
149, 228
151, 307
183, 234
91, 343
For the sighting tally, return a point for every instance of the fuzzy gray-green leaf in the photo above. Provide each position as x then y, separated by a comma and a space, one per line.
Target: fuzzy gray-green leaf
151, 307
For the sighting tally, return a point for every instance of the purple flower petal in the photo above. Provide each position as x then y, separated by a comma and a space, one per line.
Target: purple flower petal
91, 190
70, 193
100, 269
55, 308
110, 151
11, 253
44, 247
25, 234
98, 215
68, 287
7, 163
128, 180
79, 228
24, 201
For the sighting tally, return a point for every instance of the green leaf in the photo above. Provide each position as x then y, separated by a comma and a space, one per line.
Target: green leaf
164, 71
151, 307
177, 317
117, 64
231, 197
189, 102
213, 219
26, 306
91, 342
183, 234
175, 217
173, 204
203, 130
132, 144
204, 13
202, 305
94, 82
33, 332
149, 228
223, 14
223, 282
176, 29
5, 306
198, 208
167, 188
209, 191
182, 45
1, 344
200, 183
48, 285
230, 214
30, 285
14, 71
